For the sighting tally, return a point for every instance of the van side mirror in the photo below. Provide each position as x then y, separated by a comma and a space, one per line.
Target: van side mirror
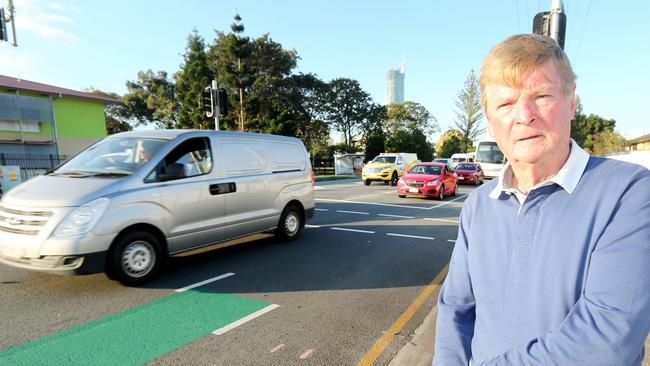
171, 172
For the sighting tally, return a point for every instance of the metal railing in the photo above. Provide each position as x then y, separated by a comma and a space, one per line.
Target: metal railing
32, 165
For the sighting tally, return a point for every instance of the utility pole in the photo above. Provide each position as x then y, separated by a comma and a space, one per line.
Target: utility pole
4, 19
215, 90
551, 23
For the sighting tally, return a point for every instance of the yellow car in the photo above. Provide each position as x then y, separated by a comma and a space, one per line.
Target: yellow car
388, 167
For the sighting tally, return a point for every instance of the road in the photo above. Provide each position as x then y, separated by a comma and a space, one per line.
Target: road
326, 299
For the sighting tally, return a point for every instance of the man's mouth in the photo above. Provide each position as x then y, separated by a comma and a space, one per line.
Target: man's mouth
527, 138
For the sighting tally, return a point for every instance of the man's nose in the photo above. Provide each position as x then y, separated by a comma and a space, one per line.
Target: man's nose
525, 111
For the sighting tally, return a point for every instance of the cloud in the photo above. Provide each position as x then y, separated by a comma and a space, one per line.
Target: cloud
60, 7
48, 23
15, 63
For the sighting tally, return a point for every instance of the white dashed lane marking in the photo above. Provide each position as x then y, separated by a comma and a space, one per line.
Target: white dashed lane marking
353, 230
443, 220
410, 236
353, 212
396, 216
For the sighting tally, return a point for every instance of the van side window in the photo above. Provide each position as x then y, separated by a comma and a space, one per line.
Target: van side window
191, 158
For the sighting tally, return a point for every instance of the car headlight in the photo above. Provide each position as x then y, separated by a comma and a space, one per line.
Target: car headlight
83, 218
432, 183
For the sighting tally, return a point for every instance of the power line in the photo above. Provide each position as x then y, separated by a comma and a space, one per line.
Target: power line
584, 25
574, 16
517, 10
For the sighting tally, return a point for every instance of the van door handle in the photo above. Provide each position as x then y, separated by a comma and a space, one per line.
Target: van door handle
222, 188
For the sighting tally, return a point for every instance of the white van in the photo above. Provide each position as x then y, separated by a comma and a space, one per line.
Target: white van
461, 158
127, 202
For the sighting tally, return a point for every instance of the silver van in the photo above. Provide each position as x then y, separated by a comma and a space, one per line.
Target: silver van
127, 202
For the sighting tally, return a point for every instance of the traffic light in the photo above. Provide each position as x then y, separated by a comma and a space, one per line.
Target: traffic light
3, 26
222, 99
207, 100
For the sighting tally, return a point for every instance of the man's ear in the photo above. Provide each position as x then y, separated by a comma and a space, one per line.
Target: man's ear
574, 102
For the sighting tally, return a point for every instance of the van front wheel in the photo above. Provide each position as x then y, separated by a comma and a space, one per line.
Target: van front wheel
291, 223
135, 259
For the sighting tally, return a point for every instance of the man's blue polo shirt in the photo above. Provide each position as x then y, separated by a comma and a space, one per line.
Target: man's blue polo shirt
562, 278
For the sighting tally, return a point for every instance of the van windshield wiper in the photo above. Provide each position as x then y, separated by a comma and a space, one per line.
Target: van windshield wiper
73, 174
111, 174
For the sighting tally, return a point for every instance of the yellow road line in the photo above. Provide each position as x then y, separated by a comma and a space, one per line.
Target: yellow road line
384, 341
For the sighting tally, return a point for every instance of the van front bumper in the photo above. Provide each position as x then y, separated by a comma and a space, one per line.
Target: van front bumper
77, 264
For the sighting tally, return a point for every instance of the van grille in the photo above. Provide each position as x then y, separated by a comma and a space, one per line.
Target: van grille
26, 222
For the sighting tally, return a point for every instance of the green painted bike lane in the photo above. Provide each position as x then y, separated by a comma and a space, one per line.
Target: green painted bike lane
137, 335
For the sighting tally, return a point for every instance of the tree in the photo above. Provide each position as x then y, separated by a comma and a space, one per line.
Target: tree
608, 142
410, 141
150, 100
346, 108
586, 129
410, 116
230, 56
451, 142
407, 125
373, 134
468, 111
304, 102
193, 77
259, 71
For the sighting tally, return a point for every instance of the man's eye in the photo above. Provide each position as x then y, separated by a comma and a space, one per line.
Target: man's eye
504, 105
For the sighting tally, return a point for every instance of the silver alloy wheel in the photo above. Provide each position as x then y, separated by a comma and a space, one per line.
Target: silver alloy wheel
138, 258
292, 223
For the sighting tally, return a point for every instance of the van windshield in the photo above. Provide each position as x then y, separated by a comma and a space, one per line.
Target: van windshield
488, 152
384, 159
111, 157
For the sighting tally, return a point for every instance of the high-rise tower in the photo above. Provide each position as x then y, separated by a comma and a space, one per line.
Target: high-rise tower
395, 85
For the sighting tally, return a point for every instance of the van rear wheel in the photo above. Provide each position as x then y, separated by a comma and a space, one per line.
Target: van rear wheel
135, 259
291, 223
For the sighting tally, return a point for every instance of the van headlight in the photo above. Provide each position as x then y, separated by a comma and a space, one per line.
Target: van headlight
82, 219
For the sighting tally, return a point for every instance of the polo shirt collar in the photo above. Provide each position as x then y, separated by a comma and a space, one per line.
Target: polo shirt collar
567, 177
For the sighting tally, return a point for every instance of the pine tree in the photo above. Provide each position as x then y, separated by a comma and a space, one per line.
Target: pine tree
468, 110
193, 77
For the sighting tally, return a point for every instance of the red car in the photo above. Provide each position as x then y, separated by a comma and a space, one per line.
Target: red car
470, 173
428, 180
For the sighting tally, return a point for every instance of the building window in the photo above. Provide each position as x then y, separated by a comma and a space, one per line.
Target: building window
28, 126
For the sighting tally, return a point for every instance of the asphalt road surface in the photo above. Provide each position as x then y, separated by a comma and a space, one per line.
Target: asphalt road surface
361, 267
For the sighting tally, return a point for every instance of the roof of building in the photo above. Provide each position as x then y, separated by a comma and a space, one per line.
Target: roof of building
637, 140
26, 85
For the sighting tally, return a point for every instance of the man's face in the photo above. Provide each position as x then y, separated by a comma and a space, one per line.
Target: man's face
532, 122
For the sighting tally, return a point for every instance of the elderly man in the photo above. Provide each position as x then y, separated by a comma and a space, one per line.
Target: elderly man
552, 261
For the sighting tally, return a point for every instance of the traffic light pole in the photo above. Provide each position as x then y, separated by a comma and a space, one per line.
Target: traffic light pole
215, 91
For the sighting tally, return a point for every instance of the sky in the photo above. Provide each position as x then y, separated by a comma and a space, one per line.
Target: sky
80, 44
